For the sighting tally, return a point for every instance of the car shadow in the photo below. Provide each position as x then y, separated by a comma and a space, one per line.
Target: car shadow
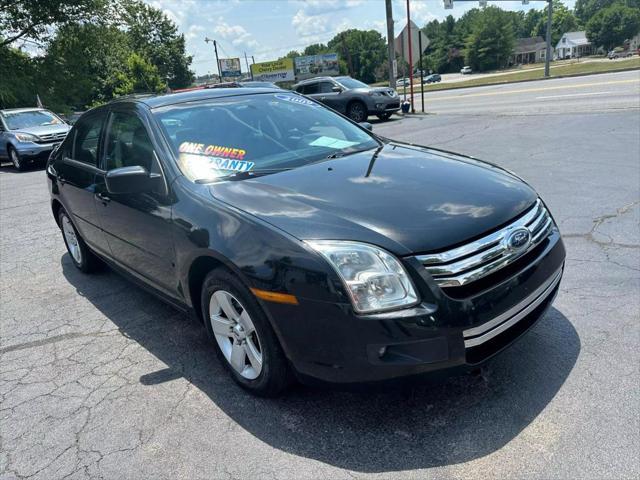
421, 426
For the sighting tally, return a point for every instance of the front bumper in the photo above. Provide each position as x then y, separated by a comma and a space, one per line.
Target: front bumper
384, 104
32, 152
328, 342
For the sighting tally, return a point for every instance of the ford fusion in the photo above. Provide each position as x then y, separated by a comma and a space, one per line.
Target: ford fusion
308, 247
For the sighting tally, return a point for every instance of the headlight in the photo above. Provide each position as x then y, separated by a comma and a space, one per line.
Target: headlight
26, 137
376, 94
375, 279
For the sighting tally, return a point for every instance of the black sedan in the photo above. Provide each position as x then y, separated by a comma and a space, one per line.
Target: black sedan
308, 247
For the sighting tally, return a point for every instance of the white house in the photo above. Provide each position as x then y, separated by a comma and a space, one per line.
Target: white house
574, 45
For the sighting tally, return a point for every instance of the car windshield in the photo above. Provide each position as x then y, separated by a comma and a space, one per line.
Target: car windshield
349, 82
256, 134
32, 118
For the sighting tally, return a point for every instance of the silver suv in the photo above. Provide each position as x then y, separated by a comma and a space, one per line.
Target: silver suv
351, 97
29, 135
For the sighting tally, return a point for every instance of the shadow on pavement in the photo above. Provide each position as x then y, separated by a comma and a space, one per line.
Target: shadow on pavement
454, 421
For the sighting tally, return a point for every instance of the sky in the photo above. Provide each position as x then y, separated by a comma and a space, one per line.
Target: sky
268, 29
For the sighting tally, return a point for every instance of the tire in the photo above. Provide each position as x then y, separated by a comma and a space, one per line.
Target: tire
14, 156
81, 256
384, 116
243, 338
357, 111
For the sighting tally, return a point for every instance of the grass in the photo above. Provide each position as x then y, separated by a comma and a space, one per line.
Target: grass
556, 71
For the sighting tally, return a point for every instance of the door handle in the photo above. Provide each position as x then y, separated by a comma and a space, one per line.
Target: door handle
103, 198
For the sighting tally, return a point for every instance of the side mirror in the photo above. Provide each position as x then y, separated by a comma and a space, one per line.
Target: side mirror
134, 179
366, 125
336, 89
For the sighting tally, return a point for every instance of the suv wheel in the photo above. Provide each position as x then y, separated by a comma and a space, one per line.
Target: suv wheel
245, 341
15, 159
357, 112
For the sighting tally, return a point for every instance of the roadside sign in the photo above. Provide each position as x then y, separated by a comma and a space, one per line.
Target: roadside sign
448, 4
395, 68
230, 67
276, 71
310, 66
401, 43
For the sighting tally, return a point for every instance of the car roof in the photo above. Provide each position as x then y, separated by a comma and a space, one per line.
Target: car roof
162, 100
316, 79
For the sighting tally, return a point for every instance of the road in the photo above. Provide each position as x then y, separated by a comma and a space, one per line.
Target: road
98, 379
561, 95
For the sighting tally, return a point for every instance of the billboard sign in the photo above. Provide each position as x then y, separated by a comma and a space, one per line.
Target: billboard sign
230, 67
276, 71
317, 65
402, 43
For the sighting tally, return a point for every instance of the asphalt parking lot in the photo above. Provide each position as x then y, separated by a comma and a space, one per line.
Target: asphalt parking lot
98, 379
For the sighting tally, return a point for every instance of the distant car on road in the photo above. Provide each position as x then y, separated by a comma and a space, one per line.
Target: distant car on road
433, 78
403, 82
466, 70
29, 135
351, 97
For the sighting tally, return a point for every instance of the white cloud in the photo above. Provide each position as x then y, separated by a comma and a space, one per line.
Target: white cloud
236, 34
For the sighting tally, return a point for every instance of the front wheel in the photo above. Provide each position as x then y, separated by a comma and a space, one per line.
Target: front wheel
15, 159
245, 341
357, 112
384, 116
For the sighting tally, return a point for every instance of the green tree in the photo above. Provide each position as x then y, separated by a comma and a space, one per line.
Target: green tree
562, 20
585, 9
36, 19
315, 49
17, 78
361, 52
155, 37
491, 41
139, 76
613, 25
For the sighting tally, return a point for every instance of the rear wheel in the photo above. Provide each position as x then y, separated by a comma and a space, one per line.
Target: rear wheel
245, 341
357, 112
384, 116
83, 258
15, 159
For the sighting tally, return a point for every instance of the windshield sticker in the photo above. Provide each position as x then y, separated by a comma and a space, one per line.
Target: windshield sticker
295, 99
212, 150
331, 142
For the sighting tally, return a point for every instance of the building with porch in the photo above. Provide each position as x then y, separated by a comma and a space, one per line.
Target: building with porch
574, 45
528, 50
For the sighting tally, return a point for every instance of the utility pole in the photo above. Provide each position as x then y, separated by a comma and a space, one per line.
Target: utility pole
246, 60
547, 57
390, 37
215, 48
413, 110
421, 69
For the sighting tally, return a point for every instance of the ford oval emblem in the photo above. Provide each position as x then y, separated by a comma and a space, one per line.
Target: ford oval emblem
518, 239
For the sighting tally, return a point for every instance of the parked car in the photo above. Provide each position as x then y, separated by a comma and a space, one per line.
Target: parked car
614, 54
351, 97
403, 82
29, 135
308, 246
433, 78
466, 70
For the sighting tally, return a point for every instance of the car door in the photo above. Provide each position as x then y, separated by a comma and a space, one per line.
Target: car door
330, 98
3, 140
137, 225
78, 174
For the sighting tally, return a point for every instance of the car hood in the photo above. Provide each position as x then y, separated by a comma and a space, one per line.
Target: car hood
406, 199
44, 129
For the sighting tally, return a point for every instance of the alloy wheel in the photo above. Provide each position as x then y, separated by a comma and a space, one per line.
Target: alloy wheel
236, 334
15, 158
71, 239
357, 112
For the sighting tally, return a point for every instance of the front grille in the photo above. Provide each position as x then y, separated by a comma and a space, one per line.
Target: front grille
51, 137
473, 261
391, 93
393, 105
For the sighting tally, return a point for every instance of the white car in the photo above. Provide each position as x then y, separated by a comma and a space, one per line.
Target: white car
466, 70
403, 82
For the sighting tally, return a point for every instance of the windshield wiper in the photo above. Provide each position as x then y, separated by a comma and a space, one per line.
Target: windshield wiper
243, 175
342, 153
